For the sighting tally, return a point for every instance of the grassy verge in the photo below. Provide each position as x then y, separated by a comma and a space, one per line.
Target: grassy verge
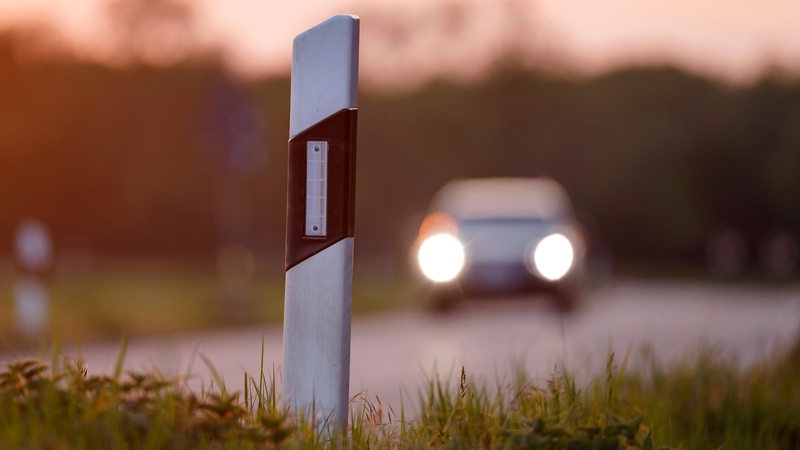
707, 404
711, 403
138, 298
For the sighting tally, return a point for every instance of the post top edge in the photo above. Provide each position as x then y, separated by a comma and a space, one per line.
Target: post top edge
339, 19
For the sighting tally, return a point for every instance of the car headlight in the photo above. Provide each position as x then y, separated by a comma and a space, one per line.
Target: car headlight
441, 257
553, 257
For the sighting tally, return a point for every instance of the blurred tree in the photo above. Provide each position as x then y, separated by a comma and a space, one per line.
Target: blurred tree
119, 157
160, 31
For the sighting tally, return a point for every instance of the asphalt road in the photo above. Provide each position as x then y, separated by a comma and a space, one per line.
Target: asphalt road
394, 353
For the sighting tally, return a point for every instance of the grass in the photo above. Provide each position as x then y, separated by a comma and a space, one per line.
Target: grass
46, 407
136, 299
709, 403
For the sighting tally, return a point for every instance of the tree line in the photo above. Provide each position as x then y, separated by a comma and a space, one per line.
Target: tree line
172, 159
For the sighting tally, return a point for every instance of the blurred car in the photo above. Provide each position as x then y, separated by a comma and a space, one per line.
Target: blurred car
501, 235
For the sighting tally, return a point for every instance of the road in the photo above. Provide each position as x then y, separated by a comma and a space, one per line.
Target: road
398, 352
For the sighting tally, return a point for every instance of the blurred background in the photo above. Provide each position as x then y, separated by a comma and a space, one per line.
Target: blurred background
143, 144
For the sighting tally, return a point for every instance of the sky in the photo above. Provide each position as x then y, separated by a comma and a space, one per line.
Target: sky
403, 41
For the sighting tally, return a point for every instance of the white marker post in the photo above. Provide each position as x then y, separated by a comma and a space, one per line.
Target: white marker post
34, 256
319, 225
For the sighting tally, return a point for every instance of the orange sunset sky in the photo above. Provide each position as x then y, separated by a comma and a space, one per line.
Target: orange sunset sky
735, 40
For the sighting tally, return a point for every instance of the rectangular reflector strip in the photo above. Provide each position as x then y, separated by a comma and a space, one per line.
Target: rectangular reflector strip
316, 188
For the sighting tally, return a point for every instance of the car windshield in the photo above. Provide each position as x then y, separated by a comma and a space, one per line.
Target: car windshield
494, 238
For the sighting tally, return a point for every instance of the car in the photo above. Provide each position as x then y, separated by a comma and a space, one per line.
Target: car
484, 236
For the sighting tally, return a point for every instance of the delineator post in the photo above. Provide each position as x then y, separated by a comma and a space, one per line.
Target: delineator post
320, 219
